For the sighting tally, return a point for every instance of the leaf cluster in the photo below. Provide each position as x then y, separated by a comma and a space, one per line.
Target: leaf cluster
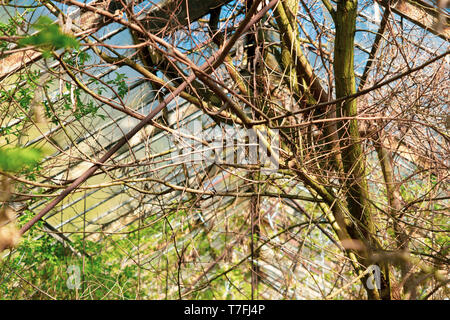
49, 37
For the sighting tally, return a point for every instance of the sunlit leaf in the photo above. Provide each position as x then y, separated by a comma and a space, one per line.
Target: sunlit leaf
50, 36
15, 159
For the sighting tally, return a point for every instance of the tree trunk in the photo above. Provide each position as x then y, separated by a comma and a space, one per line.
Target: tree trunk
357, 195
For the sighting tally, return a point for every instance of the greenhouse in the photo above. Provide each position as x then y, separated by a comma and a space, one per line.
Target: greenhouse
216, 149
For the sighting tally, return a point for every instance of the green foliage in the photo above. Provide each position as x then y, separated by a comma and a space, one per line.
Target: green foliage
109, 272
76, 58
24, 93
121, 85
82, 109
21, 95
44, 262
16, 159
9, 29
73, 102
49, 37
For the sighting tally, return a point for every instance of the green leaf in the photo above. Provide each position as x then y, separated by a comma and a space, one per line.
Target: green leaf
49, 37
16, 159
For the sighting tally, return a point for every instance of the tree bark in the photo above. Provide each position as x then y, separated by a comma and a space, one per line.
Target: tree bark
357, 195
